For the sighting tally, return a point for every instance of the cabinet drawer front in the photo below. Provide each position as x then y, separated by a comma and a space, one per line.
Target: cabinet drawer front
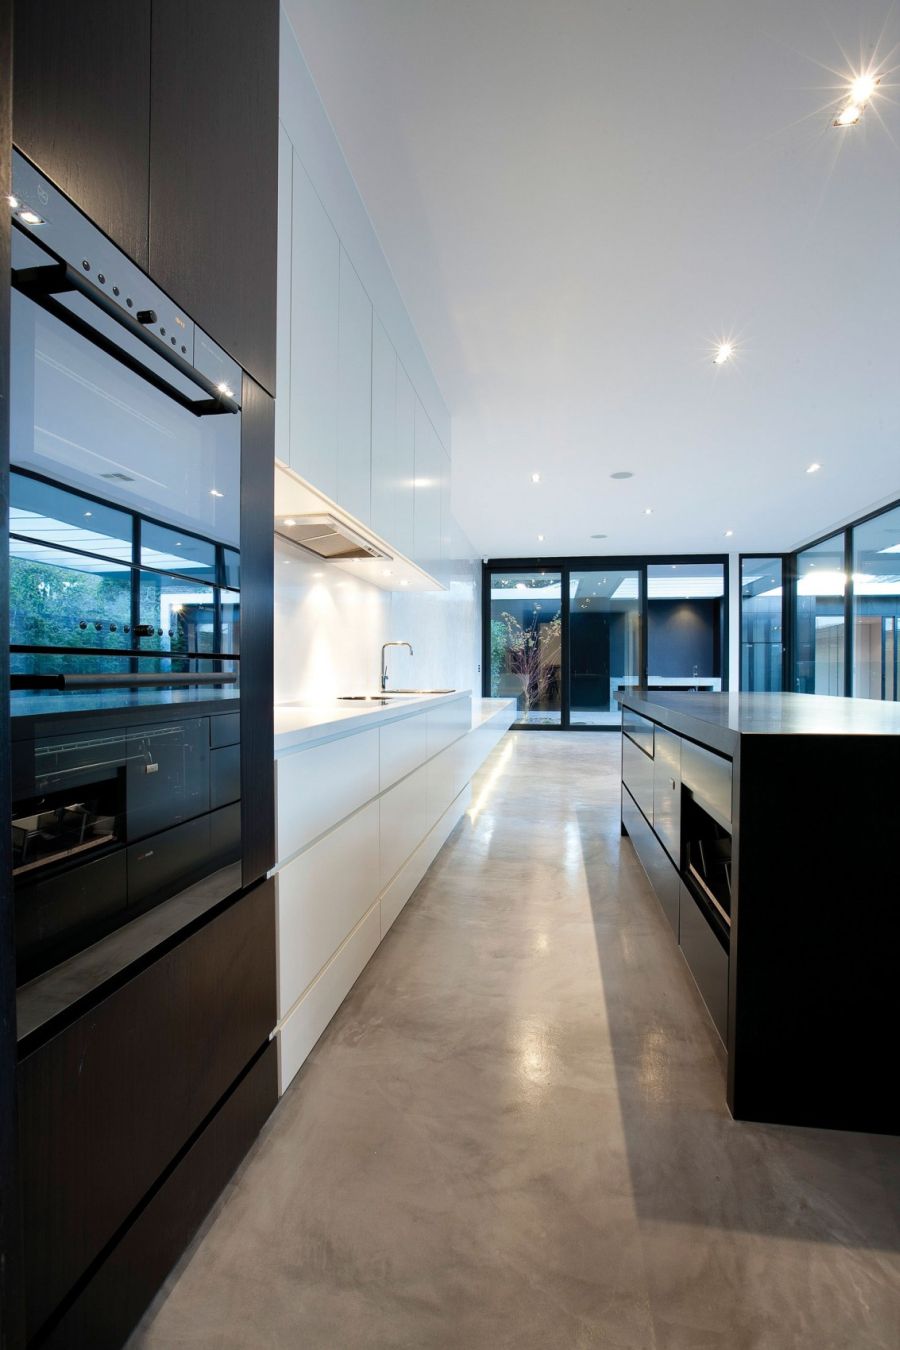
637, 775
639, 728
319, 787
447, 723
707, 959
106, 1104
322, 895
661, 874
167, 775
709, 778
667, 791
225, 729
403, 747
405, 821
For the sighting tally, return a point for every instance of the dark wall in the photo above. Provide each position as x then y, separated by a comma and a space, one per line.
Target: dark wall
682, 634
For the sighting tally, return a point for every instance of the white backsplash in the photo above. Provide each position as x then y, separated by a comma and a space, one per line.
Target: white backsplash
329, 628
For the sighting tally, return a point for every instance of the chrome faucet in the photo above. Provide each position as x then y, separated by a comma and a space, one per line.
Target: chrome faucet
384, 670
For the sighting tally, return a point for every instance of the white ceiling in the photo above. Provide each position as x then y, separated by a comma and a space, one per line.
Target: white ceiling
579, 197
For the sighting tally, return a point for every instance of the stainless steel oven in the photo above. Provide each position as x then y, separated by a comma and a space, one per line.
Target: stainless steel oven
126, 459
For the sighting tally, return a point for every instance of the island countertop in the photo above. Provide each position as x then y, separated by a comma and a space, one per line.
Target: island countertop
720, 720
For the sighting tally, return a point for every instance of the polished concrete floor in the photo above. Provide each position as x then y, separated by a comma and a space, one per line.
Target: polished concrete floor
513, 1134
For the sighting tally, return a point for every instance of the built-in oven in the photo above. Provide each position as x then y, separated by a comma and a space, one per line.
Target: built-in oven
124, 543
126, 460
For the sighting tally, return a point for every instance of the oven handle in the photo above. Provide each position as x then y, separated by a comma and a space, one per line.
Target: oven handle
108, 681
43, 284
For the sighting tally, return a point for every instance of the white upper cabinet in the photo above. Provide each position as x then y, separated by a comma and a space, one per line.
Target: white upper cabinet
405, 473
283, 308
384, 432
315, 310
393, 445
429, 455
354, 461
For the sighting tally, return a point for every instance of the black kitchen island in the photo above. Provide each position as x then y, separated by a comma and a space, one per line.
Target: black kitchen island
769, 827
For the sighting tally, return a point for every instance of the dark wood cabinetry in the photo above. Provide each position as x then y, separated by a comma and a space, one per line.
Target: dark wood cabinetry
160, 120
81, 107
214, 170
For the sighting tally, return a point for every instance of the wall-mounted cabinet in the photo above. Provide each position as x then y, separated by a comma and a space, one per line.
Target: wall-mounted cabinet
354, 463
429, 473
315, 289
393, 445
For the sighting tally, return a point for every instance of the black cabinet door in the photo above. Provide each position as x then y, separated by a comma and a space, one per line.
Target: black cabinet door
81, 107
214, 170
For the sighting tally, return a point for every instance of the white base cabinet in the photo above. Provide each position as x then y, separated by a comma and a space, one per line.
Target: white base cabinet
360, 820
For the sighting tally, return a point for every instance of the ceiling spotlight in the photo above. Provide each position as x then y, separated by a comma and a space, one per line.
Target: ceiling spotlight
214, 492
862, 87
88, 513
729, 533
648, 510
849, 116
724, 352
814, 468
599, 536
30, 217
535, 478
540, 538
404, 583
622, 473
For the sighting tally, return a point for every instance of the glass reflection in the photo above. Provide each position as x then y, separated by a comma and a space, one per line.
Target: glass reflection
762, 638
604, 643
876, 607
819, 623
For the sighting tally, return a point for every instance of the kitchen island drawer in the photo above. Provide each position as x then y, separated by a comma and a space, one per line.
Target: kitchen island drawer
639, 728
707, 960
637, 775
708, 776
661, 874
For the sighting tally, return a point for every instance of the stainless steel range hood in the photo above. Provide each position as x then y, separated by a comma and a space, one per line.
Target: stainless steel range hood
327, 536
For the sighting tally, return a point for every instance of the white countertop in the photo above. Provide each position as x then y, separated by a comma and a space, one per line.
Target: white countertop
300, 724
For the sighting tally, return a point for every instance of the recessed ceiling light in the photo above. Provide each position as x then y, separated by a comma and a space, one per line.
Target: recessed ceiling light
622, 473
648, 510
540, 538
814, 468
599, 536
404, 583
214, 492
849, 116
88, 513
724, 352
30, 217
729, 533
863, 86
535, 478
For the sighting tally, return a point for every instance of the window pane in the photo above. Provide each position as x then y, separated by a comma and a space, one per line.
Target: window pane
819, 628
604, 642
526, 620
876, 607
685, 604
66, 519
184, 610
177, 551
60, 599
762, 639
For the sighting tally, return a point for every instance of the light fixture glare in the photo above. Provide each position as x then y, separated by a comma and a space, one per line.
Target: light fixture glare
814, 468
724, 352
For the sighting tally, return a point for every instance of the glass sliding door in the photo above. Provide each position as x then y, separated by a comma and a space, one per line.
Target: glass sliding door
876, 607
604, 643
819, 621
526, 643
685, 625
762, 632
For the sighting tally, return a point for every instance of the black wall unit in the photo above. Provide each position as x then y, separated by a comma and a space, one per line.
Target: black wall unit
108, 1104
257, 632
214, 170
82, 107
11, 1306
127, 1279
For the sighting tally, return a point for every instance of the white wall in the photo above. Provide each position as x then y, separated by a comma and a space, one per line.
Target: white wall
329, 628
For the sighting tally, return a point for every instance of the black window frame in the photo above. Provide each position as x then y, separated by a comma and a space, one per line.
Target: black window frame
787, 632
612, 562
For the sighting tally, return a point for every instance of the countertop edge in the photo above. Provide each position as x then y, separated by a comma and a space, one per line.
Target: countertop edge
351, 723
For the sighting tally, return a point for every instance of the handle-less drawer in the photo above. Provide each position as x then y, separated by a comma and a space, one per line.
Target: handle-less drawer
709, 778
707, 959
667, 791
639, 728
637, 775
